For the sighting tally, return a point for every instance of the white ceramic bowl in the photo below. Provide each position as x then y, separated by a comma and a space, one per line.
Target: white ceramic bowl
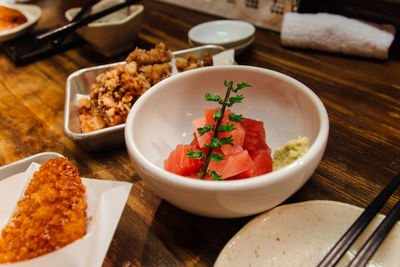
31, 12
162, 118
114, 33
227, 33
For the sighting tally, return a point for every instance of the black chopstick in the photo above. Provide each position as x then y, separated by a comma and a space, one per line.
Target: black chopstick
81, 22
360, 224
375, 240
78, 16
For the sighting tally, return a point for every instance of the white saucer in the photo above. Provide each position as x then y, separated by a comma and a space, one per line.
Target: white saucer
301, 234
238, 47
222, 32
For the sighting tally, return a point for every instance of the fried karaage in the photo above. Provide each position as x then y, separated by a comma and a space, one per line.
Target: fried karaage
51, 214
115, 91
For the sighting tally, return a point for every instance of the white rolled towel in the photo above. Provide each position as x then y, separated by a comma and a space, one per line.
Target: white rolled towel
337, 34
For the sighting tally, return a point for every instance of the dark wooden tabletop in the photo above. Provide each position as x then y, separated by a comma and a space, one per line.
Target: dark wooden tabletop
362, 97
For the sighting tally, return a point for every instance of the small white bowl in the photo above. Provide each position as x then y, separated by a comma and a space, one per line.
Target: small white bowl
162, 118
32, 13
114, 33
227, 33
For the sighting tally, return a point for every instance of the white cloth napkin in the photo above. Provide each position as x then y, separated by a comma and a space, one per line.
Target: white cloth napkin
336, 33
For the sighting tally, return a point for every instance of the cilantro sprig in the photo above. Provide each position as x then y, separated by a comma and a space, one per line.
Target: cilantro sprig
216, 142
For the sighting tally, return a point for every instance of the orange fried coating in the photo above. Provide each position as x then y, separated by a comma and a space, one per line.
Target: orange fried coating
10, 18
51, 214
157, 55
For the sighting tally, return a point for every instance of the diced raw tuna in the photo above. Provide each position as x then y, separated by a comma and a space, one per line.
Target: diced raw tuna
255, 138
206, 137
238, 134
262, 164
232, 164
179, 163
209, 113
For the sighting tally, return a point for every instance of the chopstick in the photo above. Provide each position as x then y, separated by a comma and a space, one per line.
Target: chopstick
83, 21
375, 240
78, 16
372, 244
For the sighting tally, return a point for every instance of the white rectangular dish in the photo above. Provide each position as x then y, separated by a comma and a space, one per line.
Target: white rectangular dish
78, 83
21, 165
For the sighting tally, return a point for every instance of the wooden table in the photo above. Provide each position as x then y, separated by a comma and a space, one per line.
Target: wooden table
362, 98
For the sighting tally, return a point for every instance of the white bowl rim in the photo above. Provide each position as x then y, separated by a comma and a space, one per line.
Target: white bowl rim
138, 9
192, 31
233, 185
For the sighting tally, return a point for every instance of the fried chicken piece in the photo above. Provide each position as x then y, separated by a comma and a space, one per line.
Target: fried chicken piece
51, 215
208, 60
112, 97
191, 62
156, 73
157, 55
115, 91
89, 119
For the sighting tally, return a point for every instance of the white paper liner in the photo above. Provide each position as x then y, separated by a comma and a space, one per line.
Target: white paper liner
106, 201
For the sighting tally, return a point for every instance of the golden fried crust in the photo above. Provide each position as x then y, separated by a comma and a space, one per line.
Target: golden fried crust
156, 55
51, 214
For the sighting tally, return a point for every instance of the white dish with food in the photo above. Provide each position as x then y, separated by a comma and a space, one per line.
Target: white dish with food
32, 14
78, 84
162, 118
222, 32
301, 234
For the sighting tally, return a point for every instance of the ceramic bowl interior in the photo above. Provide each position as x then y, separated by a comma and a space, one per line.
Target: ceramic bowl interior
162, 118
222, 32
32, 13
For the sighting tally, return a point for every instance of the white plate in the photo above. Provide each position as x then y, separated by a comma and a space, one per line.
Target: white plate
301, 234
221, 32
32, 13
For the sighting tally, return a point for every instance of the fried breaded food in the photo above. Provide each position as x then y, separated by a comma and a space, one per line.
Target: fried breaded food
157, 55
10, 18
112, 97
190, 62
156, 73
115, 91
207, 60
51, 214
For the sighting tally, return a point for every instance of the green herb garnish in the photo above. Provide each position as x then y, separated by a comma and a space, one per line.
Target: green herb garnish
216, 142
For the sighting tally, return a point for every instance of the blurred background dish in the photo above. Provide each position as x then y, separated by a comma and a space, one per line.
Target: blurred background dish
287, 107
32, 14
114, 33
234, 34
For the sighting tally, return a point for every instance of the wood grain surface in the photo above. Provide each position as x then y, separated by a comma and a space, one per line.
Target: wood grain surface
362, 97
